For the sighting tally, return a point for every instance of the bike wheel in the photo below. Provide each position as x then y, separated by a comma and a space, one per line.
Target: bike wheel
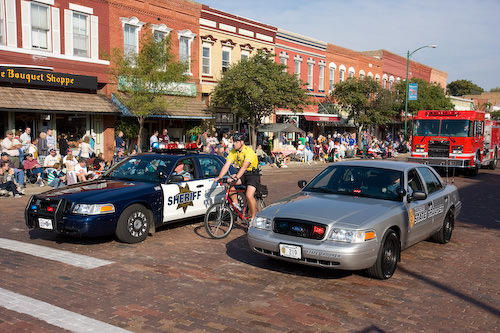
261, 204
219, 220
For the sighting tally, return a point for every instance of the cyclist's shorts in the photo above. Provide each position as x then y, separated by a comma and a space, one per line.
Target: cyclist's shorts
251, 178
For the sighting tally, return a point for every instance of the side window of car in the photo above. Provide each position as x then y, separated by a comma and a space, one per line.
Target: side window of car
189, 167
414, 182
210, 166
430, 179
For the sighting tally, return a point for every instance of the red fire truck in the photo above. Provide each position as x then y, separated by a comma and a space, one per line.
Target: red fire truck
455, 139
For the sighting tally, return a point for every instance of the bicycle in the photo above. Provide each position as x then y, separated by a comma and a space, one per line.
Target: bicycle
220, 217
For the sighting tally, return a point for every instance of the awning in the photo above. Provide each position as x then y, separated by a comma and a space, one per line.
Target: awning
323, 117
40, 100
179, 107
279, 128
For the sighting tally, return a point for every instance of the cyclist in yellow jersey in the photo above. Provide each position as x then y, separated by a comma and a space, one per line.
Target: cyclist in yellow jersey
248, 173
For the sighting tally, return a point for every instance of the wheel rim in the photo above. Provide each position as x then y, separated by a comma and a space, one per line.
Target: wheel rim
219, 221
137, 224
389, 259
448, 228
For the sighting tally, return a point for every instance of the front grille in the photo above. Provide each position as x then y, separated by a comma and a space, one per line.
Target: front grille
299, 228
439, 148
309, 261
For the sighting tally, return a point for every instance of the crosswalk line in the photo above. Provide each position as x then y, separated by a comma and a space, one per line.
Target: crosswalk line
66, 257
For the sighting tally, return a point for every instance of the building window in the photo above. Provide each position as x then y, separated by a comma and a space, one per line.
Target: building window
80, 35
321, 86
351, 72
331, 82
130, 39
341, 75
158, 35
245, 54
298, 62
186, 37
310, 76
40, 27
206, 61
226, 59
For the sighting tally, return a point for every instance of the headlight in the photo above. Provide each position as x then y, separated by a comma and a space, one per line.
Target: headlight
457, 149
351, 236
262, 223
419, 148
85, 209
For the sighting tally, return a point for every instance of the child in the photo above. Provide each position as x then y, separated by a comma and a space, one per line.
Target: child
58, 177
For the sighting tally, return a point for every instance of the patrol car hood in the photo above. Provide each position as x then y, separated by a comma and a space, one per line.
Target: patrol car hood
96, 191
332, 209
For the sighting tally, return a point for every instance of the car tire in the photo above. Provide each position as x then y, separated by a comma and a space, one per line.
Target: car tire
443, 236
387, 258
134, 224
493, 163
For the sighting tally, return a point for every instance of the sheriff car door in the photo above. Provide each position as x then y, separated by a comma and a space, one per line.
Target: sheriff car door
184, 199
418, 220
210, 167
435, 192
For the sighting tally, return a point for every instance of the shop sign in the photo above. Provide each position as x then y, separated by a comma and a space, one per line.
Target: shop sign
167, 88
31, 77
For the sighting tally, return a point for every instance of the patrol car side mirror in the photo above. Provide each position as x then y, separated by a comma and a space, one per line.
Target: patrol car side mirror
162, 175
302, 183
418, 195
176, 179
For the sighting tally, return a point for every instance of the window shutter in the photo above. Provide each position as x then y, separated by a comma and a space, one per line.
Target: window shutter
94, 37
11, 27
68, 32
56, 30
26, 23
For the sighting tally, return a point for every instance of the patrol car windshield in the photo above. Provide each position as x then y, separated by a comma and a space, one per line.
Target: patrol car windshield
359, 181
142, 168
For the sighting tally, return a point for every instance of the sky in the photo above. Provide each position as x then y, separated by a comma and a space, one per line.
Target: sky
466, 32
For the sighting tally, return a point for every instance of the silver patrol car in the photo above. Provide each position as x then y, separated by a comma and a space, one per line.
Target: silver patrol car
358, 215
133, 198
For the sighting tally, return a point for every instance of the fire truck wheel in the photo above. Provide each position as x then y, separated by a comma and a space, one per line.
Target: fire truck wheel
474, 171
493, 163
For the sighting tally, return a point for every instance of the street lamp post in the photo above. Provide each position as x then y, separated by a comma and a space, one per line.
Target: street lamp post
407, 85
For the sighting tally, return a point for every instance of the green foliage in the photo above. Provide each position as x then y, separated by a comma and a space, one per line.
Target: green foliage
145, 75
255, 87
129, 127
495, 115
430, 97
497, 89
367, 103
463, 87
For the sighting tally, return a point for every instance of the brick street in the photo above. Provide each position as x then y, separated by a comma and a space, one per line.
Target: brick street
180, 280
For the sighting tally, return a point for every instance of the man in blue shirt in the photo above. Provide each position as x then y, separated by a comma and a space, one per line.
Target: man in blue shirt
119, 142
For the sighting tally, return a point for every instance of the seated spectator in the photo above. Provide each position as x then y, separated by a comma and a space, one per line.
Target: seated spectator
18, 173
58, 177
7, 183
11, 146
262, 155
32, 165
51, 159
81, 170
118, 157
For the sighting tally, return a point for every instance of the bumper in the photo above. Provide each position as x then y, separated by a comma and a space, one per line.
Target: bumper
441, 162
315, 253
75, 225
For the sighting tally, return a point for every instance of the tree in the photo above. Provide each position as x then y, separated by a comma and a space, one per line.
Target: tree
255, 87
367, 103
463, 87
146, 76
497, 89
430, 97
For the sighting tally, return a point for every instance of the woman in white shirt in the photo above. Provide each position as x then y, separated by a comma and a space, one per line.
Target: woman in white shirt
70, 162
85, 148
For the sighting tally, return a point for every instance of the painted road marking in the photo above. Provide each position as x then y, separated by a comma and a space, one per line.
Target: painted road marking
52, 314
66, 257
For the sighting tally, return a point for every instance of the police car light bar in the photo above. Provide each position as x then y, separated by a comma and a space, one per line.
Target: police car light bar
174, 148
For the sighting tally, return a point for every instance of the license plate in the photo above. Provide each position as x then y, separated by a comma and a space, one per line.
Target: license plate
45, 223
291, 251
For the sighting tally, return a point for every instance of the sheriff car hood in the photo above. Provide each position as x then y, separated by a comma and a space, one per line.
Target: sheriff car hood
340, 210
97, 190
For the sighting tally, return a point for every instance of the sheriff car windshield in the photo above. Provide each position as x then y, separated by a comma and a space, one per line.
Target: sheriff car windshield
141, 168
359, 181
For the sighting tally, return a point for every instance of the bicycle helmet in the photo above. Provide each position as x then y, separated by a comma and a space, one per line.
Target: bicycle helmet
238, 137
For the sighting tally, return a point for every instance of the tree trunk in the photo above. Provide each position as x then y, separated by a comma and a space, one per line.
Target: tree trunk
140, 120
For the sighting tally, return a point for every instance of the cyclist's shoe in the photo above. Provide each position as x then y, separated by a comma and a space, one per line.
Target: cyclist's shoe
237, 206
